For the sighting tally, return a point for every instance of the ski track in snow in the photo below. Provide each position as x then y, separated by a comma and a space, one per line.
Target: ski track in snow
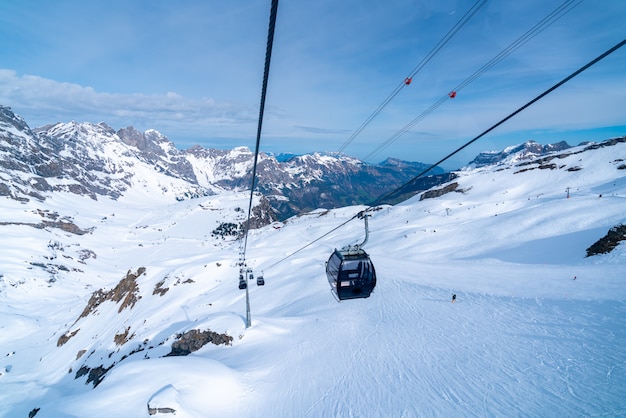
423, 356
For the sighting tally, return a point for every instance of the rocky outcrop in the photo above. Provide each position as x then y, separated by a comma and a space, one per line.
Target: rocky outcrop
607, 243
195, 339
125, 292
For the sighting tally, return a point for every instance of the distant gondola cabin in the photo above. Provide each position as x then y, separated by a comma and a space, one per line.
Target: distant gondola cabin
351, 274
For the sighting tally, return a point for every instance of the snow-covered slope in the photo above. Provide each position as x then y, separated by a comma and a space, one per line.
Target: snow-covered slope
102, 291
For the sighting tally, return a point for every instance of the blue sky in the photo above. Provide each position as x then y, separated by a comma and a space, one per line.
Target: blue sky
193, 70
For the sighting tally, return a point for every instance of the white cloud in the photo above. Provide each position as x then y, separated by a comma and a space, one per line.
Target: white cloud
42, 101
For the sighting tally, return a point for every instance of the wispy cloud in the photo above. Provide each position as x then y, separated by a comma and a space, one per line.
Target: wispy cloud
316, 130
47, 101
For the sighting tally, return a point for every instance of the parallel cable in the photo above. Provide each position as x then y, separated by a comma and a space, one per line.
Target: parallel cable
398, 191
266, 71
310, 243
544, 23
443, 42
547, 21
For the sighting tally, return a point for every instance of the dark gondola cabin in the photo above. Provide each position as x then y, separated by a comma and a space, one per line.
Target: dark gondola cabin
351, 274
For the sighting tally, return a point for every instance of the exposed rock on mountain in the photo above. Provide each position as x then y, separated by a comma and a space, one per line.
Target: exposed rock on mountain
157, 150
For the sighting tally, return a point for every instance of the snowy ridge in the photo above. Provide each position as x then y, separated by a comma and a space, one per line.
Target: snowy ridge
537, 328
517, 153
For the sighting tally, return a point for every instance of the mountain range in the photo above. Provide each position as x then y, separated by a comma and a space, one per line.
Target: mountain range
95, 160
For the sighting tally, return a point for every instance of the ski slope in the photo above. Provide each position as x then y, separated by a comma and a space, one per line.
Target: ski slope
537, 329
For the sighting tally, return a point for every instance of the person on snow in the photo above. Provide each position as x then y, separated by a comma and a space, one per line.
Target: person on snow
453, 297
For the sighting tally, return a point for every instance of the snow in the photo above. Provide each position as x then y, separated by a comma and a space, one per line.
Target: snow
537, 329
11, 131
207, 385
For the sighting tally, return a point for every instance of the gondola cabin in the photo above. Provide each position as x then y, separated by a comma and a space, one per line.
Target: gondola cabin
351, 274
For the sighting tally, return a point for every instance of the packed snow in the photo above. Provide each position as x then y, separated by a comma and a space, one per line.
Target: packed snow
537, 329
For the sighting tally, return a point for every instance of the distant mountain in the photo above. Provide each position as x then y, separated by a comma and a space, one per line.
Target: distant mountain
511, 155
284, 156
522, 157
95, 160
524, 161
